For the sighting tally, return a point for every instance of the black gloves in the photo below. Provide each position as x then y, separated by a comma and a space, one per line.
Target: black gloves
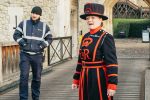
42, 45
22, 43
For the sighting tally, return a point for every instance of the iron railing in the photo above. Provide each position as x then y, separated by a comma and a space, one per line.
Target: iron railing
59, 50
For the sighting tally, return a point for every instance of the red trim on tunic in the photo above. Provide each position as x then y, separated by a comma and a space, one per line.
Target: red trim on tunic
82, 84
94, 54
79, 63
87, 41
77, 72
112, 65
112, 86
109, 97
93, 31
88, 67
93, 62
87, 81
99, 84
112, 75
80, 88
75, 81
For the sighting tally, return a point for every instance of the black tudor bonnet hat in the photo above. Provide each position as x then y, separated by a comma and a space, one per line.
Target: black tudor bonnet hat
93, 9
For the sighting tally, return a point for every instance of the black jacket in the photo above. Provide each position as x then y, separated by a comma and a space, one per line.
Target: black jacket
32, 36
106, 52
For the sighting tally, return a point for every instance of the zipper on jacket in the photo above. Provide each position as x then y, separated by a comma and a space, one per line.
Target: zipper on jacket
31, 36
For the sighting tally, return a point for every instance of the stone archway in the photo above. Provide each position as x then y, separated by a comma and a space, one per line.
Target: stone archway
108, 12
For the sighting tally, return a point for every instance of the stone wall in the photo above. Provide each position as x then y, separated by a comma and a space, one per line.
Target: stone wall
6, 30
141, 3
58, 14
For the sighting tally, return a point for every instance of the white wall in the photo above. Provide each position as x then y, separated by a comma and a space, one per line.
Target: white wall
62, 19
12, 12
74, 31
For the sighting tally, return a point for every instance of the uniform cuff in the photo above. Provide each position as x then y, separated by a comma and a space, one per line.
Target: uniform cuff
75, 81
112, 86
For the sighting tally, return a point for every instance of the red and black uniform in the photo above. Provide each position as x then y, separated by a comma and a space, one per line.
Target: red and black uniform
97, 67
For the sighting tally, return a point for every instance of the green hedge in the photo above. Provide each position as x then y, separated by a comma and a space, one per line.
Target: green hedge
137, 27
132, 27
122, 26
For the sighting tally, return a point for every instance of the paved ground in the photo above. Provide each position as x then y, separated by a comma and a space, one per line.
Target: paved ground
56, 85
132, 48
131, 79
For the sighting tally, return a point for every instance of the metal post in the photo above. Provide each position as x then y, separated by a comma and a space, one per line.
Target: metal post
15, 22
61, 48
71, 46
48, 57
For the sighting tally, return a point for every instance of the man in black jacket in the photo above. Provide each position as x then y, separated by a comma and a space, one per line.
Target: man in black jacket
32, 36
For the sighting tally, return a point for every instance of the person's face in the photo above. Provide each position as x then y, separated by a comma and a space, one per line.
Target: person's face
93, 21
35, 16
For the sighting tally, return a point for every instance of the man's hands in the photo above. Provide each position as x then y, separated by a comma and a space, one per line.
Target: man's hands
42, 45
74, 86
22, 43
111, 92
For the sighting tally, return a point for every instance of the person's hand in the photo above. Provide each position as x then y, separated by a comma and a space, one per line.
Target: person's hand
74, 86
111, 92
42, 45
22, 43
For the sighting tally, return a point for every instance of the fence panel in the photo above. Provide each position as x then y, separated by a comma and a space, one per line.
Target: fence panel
59, 50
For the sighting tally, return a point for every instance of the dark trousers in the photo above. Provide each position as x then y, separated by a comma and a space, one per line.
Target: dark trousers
35, 61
